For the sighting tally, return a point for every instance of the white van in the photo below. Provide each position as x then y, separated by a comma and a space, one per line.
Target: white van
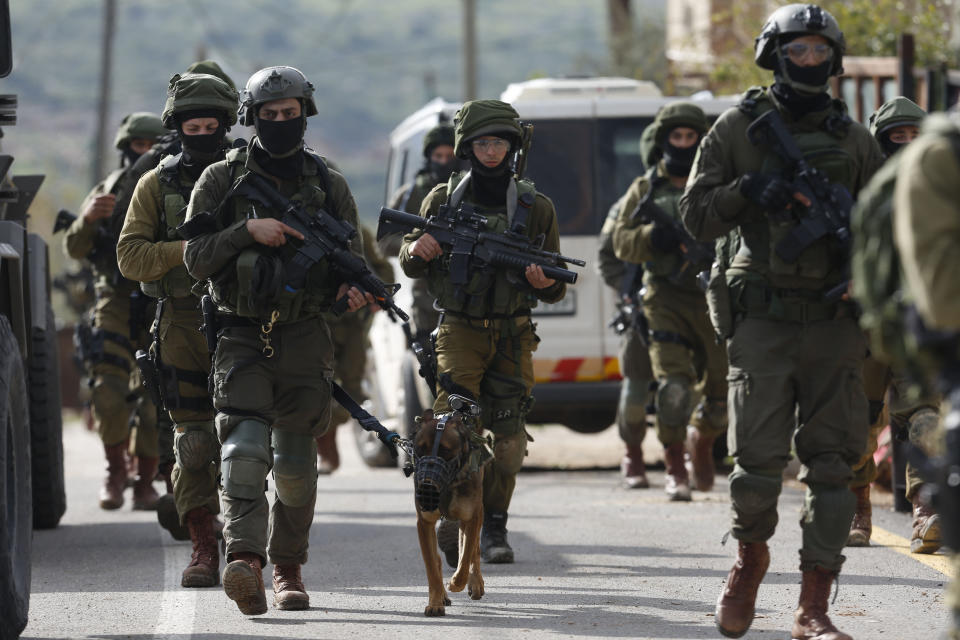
585, 153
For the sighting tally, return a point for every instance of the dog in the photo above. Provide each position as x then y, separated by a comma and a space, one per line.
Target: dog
448, 461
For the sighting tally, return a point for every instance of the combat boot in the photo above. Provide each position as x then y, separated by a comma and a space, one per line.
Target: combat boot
144, 495
169, 518
289, 594
204, 567
862, 525
632, 469
677, 485
701, 459
111, 494
494, 547
448, 540
811, 621
243, 583
926, 529
735, 607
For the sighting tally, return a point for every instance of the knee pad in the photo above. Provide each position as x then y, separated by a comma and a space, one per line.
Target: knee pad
109, 395
924, 431
294, 468
509, 452
195, 445
246, 460
673, 401
504, 403
753, 494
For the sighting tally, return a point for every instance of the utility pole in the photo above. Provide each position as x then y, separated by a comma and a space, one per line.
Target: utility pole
620, 25
103, 108
469, 50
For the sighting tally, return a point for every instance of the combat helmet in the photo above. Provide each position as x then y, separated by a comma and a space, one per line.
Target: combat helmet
442, 134
140, 124
212, 68
485, 117
798, 20
275, 83
678, 114
194, 91
895, 113
649, 151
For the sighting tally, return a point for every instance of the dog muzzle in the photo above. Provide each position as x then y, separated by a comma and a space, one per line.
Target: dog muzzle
432, 479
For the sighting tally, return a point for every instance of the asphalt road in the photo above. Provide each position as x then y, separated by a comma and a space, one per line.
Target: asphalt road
593, 561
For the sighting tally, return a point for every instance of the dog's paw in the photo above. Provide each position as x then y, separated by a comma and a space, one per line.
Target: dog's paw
446, 600
435, 611
475, 589
456, 584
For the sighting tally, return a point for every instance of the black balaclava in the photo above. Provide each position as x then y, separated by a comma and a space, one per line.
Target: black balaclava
678, 161
441, 171
800, 103
278, 144
489, 184
128, 156
889, 146
200, 151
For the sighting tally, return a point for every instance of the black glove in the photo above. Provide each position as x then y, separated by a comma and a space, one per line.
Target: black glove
664, 239
771, 192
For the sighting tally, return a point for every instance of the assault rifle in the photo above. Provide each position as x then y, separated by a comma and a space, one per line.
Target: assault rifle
324, 238
461, 232
630, 314
694, 253
830, 204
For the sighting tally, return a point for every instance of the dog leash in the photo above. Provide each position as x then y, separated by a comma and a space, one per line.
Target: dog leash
390, 439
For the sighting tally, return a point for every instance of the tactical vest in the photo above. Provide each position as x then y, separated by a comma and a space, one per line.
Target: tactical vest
667, 197
819, 146
490, 292
173, 199
254, 288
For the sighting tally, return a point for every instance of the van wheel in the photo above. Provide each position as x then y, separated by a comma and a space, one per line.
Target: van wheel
46, 428
588, 421
372, 451
15, 494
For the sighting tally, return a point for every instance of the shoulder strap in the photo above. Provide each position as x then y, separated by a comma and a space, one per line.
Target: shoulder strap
526, 196
112, 181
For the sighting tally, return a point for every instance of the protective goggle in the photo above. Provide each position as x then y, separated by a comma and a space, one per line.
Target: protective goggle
798, 51
495, 144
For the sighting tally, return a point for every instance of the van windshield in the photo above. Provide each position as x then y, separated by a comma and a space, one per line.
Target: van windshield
584, 166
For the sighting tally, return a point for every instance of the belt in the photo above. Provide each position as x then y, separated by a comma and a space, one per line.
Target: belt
789, 305
494, 320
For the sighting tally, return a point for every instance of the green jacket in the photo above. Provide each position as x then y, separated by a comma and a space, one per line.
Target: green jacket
609, 266
501, 297
712, 204
926, 221
219, 256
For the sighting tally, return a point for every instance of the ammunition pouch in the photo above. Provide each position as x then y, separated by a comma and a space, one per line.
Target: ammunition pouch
176, 283
260, 288
504, 403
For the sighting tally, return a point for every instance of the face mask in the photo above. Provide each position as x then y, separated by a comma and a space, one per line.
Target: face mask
442, 170
280, 138
478, 168
130, 155
889, 146
679, 161
810, 80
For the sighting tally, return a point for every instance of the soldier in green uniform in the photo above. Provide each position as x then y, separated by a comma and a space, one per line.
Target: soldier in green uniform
119, 324
927, 234
683, 348
439, 163
201, 108
349, 334
274, 356
626, 281
485, 338
796, 356
894, 125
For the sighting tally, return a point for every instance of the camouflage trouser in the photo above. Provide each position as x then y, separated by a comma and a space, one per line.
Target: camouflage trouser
290, 393
349, 335
782, 373
494, 363
684, 352
635, 388
876, 380
195, 443
116, 390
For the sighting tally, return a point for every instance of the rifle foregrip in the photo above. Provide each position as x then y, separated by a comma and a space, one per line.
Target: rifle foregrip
502, 259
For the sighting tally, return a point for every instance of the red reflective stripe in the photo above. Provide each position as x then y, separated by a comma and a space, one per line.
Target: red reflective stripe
566, 370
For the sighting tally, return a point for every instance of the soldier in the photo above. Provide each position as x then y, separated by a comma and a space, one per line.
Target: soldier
927, 233
485, 339
894, 125
201, 108
796, 356
349, 335
274, 356
439, 163
626, 281
119, 324
683, 348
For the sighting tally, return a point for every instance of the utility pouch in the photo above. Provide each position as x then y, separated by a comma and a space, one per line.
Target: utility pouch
149, 375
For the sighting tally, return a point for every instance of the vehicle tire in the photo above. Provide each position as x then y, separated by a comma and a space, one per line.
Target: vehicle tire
589, 421
411, 407
372, 451
15, 500
46, 428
